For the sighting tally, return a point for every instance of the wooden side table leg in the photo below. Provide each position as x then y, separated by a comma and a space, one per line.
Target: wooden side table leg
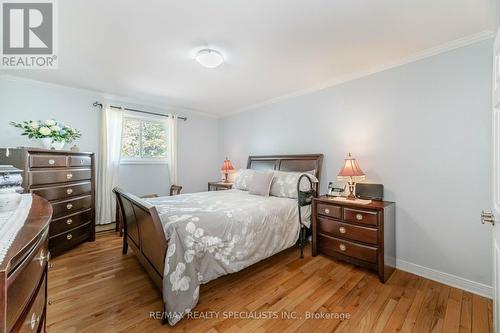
118, 219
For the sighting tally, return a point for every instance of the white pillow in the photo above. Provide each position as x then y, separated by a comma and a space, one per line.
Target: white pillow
285, 183
243, 178
260, 184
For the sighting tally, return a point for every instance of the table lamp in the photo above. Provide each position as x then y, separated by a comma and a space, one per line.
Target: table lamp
352, 173
226, 168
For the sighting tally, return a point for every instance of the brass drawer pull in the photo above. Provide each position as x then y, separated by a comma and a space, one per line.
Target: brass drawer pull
35, 319
49, 263
69, 221
52, 162
359, 217
69, 191
69, 206
342, 247
69, 236
42, 257
327, 211
342, 230
69, 175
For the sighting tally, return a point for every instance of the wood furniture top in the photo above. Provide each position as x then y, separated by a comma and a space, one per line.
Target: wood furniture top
220, 184
407, 303
36, 224
375, 204
23, 273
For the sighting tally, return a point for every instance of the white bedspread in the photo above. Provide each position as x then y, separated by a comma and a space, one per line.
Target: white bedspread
211, 234
11, 222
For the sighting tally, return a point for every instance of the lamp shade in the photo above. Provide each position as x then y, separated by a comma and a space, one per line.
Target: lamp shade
350, 169
227, 166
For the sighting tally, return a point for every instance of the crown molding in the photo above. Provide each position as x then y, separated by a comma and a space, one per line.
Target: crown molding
107, 97
443, 48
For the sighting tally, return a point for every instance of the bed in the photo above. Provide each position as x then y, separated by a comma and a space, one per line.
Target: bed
187, 240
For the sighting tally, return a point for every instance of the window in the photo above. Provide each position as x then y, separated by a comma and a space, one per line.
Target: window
144, 140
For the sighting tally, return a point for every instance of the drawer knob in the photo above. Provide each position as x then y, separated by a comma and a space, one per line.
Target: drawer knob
69, 191
327, 211
69, 236
49, 263
69, 221
342, 230
35, 319
42, 257
69, 206
82, 161
69, 175
359, 217
52, 162
342, 247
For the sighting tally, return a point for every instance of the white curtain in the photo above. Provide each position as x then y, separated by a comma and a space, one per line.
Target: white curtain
108, 163
172, 148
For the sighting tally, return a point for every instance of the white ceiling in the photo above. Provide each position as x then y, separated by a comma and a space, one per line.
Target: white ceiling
273, 48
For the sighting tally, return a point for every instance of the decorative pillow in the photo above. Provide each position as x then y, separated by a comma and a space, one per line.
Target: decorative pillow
243, 178
260, 184
285, 183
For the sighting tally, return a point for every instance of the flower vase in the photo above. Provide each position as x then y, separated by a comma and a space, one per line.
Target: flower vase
46, 142
58, 145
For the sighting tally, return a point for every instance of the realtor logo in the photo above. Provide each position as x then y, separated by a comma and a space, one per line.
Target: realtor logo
28, 34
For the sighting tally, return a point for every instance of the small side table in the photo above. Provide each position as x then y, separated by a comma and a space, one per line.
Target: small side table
219, 185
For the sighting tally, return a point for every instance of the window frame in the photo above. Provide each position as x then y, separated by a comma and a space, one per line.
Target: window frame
140, 160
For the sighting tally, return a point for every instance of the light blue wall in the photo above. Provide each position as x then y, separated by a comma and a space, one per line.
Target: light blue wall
422, 129
22, 99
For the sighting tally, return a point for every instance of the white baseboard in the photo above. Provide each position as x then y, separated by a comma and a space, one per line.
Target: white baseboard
445, 278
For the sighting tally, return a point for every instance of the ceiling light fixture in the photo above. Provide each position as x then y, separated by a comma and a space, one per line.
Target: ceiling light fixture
209, 58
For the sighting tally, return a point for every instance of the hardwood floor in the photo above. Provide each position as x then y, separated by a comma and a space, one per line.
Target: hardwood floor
94, 288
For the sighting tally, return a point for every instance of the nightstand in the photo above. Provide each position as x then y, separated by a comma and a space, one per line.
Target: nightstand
362, 235
219, 185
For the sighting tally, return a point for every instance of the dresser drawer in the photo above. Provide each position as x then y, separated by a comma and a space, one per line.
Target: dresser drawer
64, 191
58, 176
362, 252
361, 216
329, 210
346, 230
35, 315
69, 239
48, 161
67, 207
24, 280
69, 222
79, 161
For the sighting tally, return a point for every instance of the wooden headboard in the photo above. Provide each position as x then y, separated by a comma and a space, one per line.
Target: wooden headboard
297, 163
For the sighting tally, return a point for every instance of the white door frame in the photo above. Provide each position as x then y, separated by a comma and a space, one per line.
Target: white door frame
495, 179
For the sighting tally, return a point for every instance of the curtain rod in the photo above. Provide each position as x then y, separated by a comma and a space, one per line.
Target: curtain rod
135, 110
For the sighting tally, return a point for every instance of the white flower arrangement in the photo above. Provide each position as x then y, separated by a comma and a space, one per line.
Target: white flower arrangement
50, 128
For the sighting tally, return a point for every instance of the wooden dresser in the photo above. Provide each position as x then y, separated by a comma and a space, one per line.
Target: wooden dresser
66, 179
363, 235
23, 274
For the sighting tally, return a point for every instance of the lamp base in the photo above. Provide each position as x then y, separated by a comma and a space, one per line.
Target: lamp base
225, 178
351, 195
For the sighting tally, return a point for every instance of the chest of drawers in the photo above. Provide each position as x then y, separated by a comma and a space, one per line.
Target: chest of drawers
363, 235
67, 180
23, 274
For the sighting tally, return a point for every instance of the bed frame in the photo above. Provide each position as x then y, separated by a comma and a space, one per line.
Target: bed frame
144, 233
